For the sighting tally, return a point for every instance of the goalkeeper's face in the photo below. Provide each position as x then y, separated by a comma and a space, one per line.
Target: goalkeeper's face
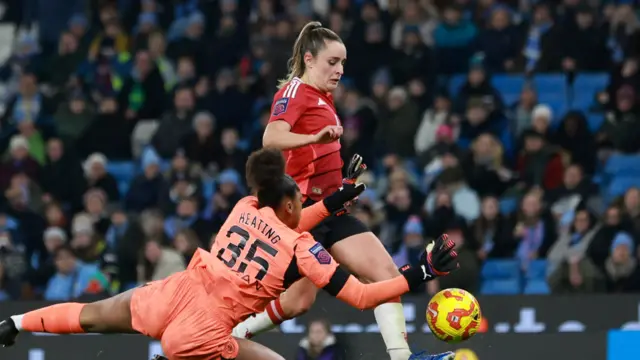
292, 209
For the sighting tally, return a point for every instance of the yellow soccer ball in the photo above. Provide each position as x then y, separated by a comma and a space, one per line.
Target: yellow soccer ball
453, 315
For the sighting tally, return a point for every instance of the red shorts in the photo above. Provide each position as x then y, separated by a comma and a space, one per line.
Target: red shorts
179, 312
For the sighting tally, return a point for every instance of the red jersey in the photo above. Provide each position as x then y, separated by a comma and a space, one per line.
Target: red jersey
317, 168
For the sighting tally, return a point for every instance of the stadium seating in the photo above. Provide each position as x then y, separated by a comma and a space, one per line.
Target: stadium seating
501, 269
501, 287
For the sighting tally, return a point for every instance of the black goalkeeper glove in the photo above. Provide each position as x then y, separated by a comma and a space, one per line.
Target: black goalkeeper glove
350, 189
439, 259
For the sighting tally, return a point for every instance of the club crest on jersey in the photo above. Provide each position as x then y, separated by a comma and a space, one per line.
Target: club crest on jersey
280, 107
321, 254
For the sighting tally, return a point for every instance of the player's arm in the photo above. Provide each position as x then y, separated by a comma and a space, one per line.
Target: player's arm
315, 263
334, 203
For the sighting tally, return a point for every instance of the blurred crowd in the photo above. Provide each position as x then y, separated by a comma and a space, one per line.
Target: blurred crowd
125, 126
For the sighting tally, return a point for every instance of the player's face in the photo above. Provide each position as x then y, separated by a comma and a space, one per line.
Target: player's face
294, 210
328, 66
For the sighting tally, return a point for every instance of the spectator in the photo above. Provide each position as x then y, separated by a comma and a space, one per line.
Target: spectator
73, 118
622, 124
360, 123
224, 199
112, 40
25, 59
187, 217
175, 124
441, 215
522, 111
146, 189
490, 231
125, 238
413, 57
444, 144
534, 231
191, 43
95, 202
87, 244
230, 155
465, 200
542, 45
19, 162
320, 344
55, 216
181, 185
415, 16
200, 144
63, 65
186, 243
7, 287
570, 270
500, 42
152, 224
478, 86
466, 277
108, 133
399, 139
54, 238
13, 264
160, 262
24, 192
539, 165
575, 138
575, 189
95, 171
541, 118
631, 208
621, 266
453, 37
72, 278
28, 130
584, 45
147, 24
432, 119
484, 168
142, 95
157, 51
62, 177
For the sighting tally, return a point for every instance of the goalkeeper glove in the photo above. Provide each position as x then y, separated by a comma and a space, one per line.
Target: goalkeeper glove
439, 259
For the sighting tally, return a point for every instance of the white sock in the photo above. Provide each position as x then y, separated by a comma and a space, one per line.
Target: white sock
253, 326
393, 328
259, 323
17, 320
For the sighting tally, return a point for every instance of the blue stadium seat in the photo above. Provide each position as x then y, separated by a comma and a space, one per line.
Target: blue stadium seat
536, 287
508, 205
595, 121
509, 87
590, 83
501, 269
455, 83
121, 170
620, 184
123, 187
500, 287
550, 84
627, 165
537, 270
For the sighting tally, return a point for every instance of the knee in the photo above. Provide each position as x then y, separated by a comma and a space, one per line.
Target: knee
381, 273
294, 305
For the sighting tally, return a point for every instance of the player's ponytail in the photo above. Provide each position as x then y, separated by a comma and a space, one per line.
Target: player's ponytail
266, 176
311, 39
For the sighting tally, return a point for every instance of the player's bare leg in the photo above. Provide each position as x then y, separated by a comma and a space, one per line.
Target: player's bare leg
112, 315
375, 265
249, 350
294, 302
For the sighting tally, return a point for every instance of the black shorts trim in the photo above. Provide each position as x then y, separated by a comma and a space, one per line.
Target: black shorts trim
335, 228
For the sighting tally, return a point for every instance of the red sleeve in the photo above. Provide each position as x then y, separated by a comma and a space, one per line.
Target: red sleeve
315, 263
553, 173
288, 104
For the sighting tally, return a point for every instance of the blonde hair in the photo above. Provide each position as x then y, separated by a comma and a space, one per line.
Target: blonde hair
311, 39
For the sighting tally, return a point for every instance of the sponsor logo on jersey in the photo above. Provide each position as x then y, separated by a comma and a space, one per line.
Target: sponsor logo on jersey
321, 254
280, 107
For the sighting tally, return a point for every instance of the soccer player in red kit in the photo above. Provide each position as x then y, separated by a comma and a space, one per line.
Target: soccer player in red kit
256, 256
305, 126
